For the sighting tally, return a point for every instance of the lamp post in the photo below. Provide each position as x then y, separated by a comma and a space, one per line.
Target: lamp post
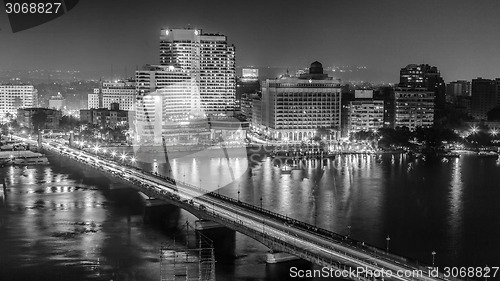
433, 257
387, 246
261, 202
238, 194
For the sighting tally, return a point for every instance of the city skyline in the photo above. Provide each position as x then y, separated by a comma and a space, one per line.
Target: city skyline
455, 36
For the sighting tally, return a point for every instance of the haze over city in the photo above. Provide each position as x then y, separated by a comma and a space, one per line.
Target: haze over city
459, 37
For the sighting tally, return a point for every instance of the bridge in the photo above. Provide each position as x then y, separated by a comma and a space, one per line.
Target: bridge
342, 256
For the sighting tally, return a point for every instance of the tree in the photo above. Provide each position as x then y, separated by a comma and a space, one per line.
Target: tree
39, 119
69, 123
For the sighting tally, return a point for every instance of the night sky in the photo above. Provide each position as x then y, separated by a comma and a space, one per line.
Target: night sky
461, 38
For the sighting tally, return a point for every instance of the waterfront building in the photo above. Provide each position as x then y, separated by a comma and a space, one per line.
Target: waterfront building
14, 97
414, 107
209, 60
484, 97
297, 109
424, 76
121, 92
168, 105
47, 118
106, 117
365, 113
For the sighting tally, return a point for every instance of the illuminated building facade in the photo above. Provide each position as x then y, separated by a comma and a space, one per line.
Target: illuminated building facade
424, 76
414, 107
209, 60
295, 109
121, 92
168, 105
13, 97
365, 113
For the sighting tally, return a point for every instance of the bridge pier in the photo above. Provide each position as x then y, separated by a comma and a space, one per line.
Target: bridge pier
165, 215
277, 257
224, 239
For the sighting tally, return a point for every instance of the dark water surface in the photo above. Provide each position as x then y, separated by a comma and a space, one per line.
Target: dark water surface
58, 224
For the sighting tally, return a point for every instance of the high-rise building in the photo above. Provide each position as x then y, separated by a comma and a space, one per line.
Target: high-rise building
424, 76
484, 97
121, 92
295, 109
365, 113
168, 104
456, 89
209, 60
414, 107
13, 97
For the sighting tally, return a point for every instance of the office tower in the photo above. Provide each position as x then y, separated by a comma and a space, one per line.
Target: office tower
484, 97
121, 92
414, 107
13, 97
209, 60
168, 104
365, 113
424, 76
295, 109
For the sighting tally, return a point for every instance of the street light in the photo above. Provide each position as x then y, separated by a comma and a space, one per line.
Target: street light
132, 159
113, 153
238, 193
474, 129
387, 246
261, 202
433, 255
123, 157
